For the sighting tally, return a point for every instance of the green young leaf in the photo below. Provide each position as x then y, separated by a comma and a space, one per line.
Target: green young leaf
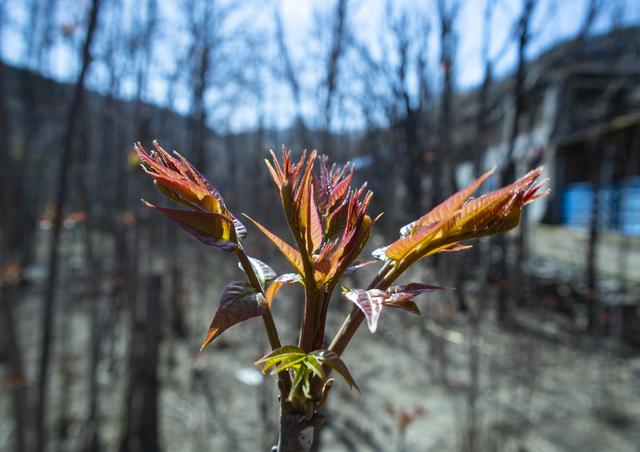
314, 366
301, 385
332, 360
278, 356
290, 362
239, 302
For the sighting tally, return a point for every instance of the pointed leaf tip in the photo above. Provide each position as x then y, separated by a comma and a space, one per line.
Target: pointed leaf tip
239, 302
289, 252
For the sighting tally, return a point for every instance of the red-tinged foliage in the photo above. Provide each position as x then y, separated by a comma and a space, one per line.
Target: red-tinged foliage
177, 179
289, 252
210, 228
462, 218
239, 302
282, 280
371, 301
330, 226
357, 265
405, 417
453, 203
10, 273
327, 217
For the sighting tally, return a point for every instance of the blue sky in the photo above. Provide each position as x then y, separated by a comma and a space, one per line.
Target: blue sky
308, 36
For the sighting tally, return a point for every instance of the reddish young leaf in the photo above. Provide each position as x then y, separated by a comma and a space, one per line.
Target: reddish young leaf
400, 295
490, 214
315, 226
453, 203
239, 302
357, 265
409, 306
499, 211
455, 248
327, 218
421, 236
372, 301
210, 228
289, 252
177, 179
276, 285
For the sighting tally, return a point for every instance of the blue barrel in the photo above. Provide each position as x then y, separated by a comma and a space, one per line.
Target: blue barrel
619, 206
630, 206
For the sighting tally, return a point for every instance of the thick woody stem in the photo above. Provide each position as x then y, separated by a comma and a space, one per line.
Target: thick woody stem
296, 429
295, 435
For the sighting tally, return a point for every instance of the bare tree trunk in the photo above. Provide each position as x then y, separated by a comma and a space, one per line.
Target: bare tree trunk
18, 393
201, 51
447, 16
48, 311
141, 419
591, 275
482, 249
5, 160
292, 80
92, 296
64, 362
508, 171
333, 65
450, 270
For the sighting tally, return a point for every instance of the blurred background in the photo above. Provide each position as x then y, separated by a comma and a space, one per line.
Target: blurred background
103, 307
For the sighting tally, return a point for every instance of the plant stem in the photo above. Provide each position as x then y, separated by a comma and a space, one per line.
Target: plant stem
310, 296
294, 434
269, 324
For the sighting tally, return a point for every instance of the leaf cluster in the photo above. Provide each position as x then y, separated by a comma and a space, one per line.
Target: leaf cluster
329, 226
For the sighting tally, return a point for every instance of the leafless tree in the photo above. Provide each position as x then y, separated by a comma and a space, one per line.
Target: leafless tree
388, 91
447, 14
142, 421
292, 80
507, 172
338, 44
48, 311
